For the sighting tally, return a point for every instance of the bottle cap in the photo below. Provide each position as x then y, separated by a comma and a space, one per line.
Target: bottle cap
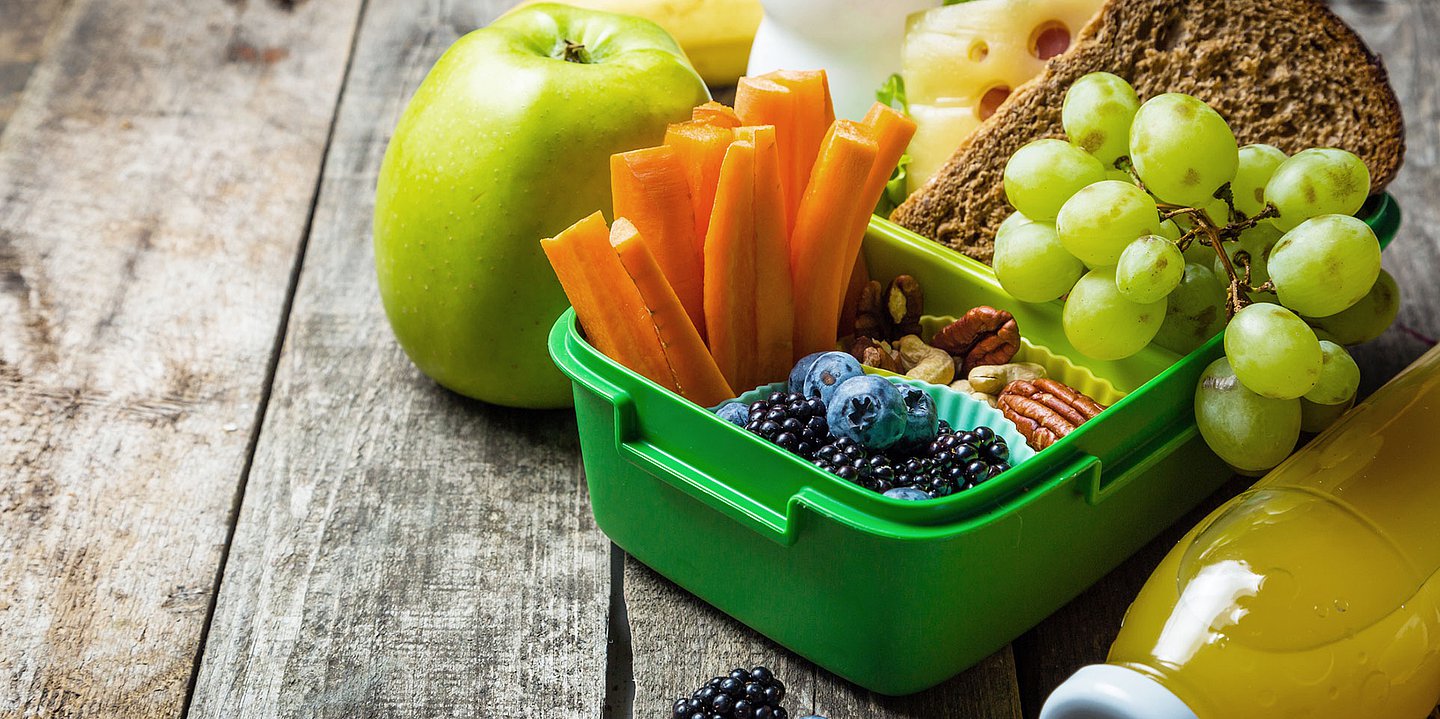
1106, 691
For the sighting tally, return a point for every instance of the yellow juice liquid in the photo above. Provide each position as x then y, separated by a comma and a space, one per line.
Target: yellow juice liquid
1316, 593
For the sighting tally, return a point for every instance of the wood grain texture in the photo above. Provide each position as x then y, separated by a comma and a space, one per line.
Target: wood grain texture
25, 36
401, 552
1406, 34
679, 642
154, 181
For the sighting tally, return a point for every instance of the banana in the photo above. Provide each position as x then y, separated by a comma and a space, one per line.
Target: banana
715, 34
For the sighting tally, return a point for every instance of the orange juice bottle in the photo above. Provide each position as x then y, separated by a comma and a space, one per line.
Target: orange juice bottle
1315, 594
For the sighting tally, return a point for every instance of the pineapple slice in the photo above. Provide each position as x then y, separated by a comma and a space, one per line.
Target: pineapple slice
961, 61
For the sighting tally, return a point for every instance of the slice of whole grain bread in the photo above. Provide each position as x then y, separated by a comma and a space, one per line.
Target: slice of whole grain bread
1283, 72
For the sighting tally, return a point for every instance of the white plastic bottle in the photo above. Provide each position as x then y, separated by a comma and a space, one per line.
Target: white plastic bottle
1315, 594
856, 42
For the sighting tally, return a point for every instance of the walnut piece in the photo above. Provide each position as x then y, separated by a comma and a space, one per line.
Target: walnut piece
870, 313
983, 336
876, 354
904, 303
1045, 410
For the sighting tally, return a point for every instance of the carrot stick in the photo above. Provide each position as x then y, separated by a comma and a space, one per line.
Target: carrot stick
892, 132
762, 101
651, 190
606, 300
798, 104
717, 114
696, 374
730, 301
775, 296
701, 148
831, 210
814, 113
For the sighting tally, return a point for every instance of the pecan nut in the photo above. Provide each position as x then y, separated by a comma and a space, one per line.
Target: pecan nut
904, 304
983, 336
1045, 410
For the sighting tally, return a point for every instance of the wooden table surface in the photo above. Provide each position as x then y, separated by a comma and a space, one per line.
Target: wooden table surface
225, 492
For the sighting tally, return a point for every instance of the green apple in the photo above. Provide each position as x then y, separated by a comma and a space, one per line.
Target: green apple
508, 141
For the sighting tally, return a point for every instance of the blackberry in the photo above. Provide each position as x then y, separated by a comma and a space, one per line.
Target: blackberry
791, 421
742, 694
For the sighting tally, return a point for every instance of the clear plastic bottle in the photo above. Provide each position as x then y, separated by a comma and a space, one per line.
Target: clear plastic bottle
1314, 594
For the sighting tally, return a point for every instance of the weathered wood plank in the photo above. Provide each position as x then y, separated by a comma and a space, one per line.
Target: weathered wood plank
25, 37
1405, 33
155, 180
401, 552
679, 642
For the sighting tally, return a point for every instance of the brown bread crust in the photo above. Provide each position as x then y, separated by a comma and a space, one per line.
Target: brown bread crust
1283, 72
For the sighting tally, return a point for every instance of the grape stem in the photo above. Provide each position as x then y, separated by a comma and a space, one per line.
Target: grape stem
1205, 230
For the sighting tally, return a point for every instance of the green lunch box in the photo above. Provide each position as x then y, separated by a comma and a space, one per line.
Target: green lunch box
896, 596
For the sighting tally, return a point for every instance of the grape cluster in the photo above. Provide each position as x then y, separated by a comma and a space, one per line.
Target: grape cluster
1155, 226
792, 421
742, 694
953, 462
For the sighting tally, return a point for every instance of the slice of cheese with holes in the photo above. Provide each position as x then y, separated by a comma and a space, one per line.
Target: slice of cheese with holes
961, 61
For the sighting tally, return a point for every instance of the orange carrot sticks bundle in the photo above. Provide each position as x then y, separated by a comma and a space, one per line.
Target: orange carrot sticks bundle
611, 310
696, 374
651, 190
822, 249
775, 296
730, 300
701, 148
716, 114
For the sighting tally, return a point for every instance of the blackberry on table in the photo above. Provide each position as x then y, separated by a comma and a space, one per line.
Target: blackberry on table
742, 694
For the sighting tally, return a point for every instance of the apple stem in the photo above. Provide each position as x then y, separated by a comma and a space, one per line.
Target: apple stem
575, 52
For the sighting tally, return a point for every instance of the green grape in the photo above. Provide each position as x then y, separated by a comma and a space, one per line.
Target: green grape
1102, 324
1325, 265
1365, 320
1273, 351
1339, 376
1182, 149
1150, 268
1031, 264
1194, 312
1315, 418
1323, 181
1170, 231
1014, 220
1042, 175
1257, 165
1248, 431
1097, 113
1098, 222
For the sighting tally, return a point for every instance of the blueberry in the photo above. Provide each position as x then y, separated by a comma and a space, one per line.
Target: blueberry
909, 493
868, 410
736, 413
762, 674
983, 433
828, 372
797, 375
921, 423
